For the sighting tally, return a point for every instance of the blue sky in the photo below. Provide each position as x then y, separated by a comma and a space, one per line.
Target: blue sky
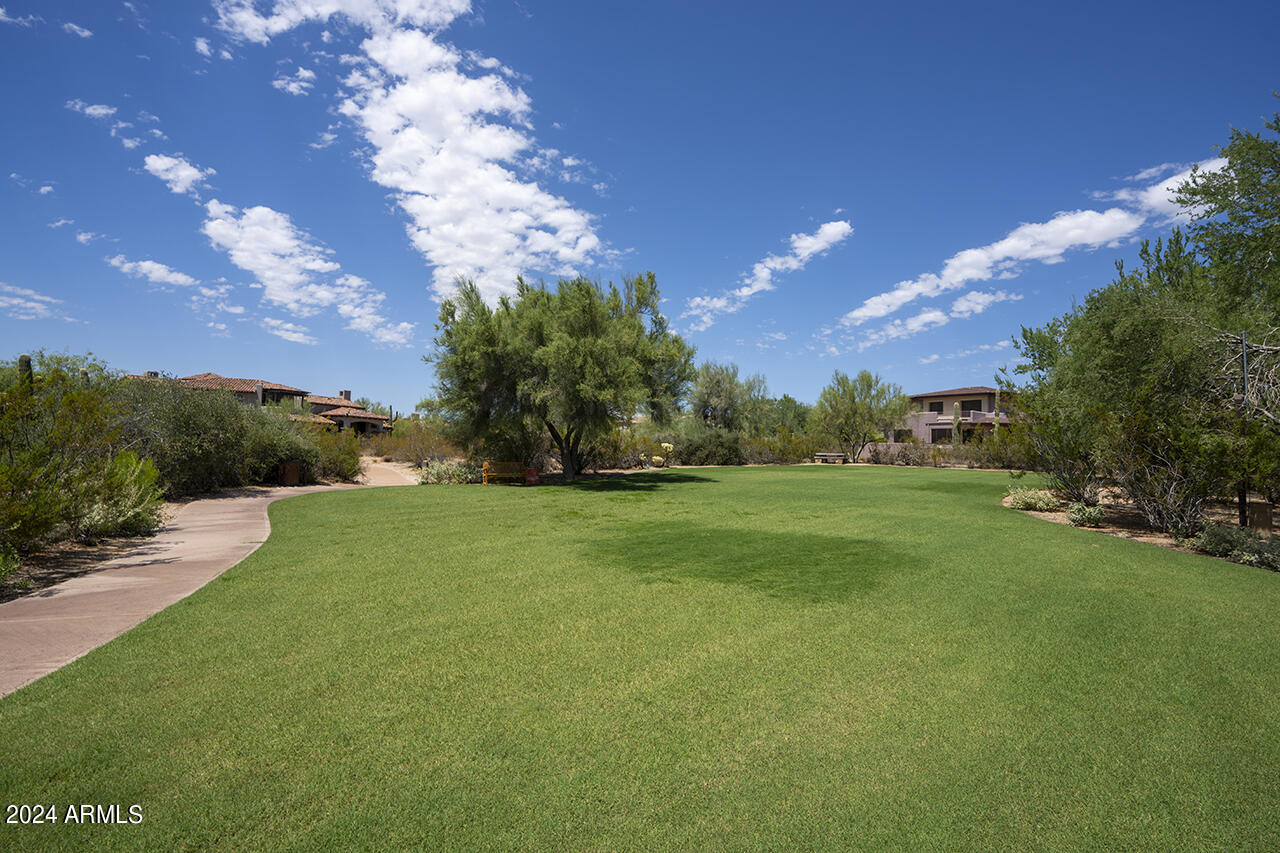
285, 190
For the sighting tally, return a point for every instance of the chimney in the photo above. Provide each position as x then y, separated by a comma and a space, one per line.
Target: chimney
257, 394
346, 395
152, 374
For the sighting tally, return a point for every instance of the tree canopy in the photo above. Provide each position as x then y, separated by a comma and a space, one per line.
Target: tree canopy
855, 412
564, 365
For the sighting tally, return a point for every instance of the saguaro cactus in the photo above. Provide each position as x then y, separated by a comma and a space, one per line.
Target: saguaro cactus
24, 371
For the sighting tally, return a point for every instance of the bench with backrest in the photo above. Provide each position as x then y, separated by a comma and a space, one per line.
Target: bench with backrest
504, 471
830, 457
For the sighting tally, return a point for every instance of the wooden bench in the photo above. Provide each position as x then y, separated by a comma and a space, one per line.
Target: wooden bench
510, 471
830, 458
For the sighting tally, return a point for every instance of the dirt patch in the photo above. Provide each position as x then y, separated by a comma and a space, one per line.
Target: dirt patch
1125, 522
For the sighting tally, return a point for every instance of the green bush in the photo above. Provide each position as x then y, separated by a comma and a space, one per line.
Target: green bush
271, 439
338, 454
129, 504
415, 442
442, 473
781, 448
58, 431
1039, 500
1239, 545
1083, 515
712, 447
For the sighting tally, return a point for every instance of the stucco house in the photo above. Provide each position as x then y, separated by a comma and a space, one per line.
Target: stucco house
932, 420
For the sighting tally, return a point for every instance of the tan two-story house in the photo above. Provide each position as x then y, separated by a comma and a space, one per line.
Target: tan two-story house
933, 416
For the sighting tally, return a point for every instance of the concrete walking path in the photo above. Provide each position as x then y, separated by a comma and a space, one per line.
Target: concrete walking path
48, 629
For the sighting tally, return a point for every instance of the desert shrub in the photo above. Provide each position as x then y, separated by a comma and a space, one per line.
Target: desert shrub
1039, 500
940, 455
9, 561
1239, 545
881, 454
713, 446
338, 454
414, 441
129, 502
194, 437
991, 450
58, 432
446, 473
780, 448
1083, 515
271, 439
913, 453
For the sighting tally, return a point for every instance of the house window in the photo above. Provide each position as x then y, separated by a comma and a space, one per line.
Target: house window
936, 407
967, 406
940, 436
902, 435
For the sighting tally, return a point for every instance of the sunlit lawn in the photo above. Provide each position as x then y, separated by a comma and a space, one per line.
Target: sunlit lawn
720, 658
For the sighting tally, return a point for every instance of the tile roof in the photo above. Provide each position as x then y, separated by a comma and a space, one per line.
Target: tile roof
956, 392
317, 400
311, 419
353, 412
231, 383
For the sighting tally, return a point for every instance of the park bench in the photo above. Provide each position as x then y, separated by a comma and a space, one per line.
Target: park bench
509, 471
830, 458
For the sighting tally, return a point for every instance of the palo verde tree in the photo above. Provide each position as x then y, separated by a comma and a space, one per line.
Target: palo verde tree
565, 364
855, 412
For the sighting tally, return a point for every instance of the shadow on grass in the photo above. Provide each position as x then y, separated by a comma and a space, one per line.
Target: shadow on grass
646, 482
806, 567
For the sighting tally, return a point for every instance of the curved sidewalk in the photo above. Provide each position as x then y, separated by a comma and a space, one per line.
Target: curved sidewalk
48, 629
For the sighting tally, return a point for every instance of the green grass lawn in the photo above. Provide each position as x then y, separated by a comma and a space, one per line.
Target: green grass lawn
722, 658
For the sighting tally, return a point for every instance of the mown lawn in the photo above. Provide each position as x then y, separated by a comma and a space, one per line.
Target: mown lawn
716, 658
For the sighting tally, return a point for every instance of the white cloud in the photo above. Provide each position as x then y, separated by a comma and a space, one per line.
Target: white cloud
976, 301
91, 110
223, 53
447, 144
931, 318
202, 47
324, 140
1157, 171
182, 177
981, 348
299, 84
1046, 242
58, 223
75, 30
296, 273
289, 331
929, 359
1156, 201
45, 190
154, 272
86, 237
19, 303
24, 21
705, 309
242, 18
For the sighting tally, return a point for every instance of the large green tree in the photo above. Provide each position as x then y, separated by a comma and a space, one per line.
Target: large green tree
855, 412
564, 364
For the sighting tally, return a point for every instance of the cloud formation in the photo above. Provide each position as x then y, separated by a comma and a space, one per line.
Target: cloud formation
1046, 242
291, 332
182, 177
77, 30
24, 21
299, 83
154, 272
297, 274
19, 303
449, 135
91, 110
804, 247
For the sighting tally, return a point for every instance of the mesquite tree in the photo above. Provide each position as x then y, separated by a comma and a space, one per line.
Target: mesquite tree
568, 363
